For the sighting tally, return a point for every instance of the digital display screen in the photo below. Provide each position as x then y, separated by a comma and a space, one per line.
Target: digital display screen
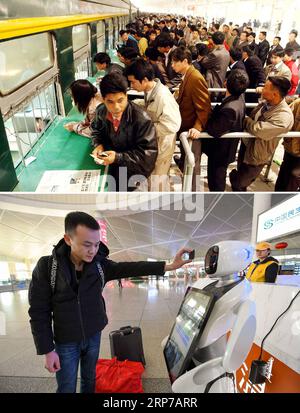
190, 322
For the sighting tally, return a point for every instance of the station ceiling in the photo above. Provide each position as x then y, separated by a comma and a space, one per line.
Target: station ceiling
31, 224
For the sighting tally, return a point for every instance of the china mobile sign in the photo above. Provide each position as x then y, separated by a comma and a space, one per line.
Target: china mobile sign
281, 220
103, 231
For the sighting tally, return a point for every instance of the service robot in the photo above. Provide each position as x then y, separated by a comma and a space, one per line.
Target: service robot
206, 360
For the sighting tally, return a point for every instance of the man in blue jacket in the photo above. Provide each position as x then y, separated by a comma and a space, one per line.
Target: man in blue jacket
67, 310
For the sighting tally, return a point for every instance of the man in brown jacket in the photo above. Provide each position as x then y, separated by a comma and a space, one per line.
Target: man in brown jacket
194, 105
266, 122
289, 173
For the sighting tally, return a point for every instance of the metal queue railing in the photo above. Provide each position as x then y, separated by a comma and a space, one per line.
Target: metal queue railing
189, 163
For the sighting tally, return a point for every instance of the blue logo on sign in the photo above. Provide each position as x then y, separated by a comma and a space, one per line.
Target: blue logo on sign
268, 224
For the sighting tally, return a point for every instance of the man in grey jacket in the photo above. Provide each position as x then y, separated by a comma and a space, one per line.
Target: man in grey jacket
278, 67
216, 62
267, 122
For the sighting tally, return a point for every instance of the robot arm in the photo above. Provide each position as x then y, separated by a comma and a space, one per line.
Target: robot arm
241, 337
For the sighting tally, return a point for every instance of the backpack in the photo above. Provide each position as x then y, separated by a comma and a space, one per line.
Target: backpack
52, 269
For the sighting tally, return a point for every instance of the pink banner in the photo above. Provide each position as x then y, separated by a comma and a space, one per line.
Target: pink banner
103, 231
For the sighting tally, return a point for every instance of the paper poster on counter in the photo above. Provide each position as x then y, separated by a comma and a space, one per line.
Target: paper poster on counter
69, 181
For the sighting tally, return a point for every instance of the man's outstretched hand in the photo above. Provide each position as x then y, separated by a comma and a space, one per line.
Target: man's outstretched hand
178, 261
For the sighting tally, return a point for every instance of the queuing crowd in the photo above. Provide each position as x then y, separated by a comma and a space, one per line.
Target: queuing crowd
174, 62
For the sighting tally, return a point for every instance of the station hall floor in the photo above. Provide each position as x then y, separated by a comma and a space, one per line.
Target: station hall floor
151, 304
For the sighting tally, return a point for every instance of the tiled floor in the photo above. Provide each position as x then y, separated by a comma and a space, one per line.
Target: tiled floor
151, 304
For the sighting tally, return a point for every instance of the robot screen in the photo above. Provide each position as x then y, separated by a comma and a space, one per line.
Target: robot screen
190, 322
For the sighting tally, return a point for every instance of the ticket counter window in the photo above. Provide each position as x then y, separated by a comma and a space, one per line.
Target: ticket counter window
80, 37
100, 37
25, 127
81, 68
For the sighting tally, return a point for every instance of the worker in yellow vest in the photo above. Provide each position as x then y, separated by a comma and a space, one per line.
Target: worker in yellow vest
265, 269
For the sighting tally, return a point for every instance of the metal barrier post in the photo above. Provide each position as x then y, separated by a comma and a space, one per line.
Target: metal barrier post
189, 162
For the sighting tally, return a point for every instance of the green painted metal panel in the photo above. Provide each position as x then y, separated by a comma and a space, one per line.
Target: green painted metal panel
93, 46
8, 177
65, 61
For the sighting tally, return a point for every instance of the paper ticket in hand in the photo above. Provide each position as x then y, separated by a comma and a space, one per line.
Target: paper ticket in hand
97, 160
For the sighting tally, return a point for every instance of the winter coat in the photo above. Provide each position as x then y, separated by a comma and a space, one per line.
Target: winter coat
73, 310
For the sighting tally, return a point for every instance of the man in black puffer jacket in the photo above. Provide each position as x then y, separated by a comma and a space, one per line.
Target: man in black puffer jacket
67, 309
127, 135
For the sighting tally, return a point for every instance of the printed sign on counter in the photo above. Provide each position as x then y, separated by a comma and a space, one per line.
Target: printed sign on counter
69, 181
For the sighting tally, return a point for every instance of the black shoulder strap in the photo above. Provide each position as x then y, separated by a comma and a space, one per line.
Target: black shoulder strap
52, 265
101, 273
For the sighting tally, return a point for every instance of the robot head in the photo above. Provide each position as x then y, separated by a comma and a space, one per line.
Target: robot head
228, 257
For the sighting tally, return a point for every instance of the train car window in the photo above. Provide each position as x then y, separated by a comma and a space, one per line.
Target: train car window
100, 36
80, 36
24, 59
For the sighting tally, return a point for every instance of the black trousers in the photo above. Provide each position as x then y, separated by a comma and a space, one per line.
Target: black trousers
220, 152
241, 178
289, 174
216, 175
